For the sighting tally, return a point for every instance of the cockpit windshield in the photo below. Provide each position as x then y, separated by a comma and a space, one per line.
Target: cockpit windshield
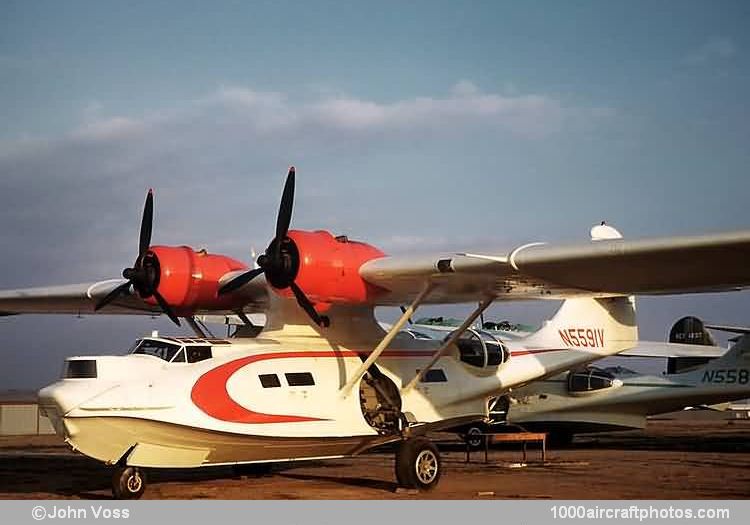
481, 349
590, 379
160, 349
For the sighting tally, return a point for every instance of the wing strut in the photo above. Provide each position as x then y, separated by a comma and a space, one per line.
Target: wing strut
483, 304
395, 329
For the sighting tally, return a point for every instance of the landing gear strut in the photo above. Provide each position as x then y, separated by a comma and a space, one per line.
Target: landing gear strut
418, 464
128, 482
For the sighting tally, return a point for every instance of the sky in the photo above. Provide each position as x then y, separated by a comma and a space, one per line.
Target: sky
415, 126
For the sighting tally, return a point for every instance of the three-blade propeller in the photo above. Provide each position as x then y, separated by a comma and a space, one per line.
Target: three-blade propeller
280, 261
144, 275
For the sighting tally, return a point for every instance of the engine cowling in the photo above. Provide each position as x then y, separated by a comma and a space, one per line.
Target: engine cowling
326, 268
188, 279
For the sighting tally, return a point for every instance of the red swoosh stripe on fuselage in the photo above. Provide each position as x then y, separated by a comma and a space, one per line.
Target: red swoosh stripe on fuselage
539, 351
210, 391
211, 396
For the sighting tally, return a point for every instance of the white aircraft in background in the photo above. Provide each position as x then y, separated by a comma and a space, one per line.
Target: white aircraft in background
323, 379
601, 399
604, 398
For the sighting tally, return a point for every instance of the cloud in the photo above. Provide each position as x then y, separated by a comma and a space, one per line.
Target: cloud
267, 116
272, 115
715, 49
70, 204
465, 88
531, 115
112, 129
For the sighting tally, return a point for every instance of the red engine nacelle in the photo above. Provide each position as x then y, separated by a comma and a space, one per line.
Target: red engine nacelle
188, 279
328, 270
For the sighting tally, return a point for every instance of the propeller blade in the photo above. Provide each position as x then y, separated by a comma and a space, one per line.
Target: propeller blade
146, 224
239, 281
166, 308
285, 209
111, 296
307, 306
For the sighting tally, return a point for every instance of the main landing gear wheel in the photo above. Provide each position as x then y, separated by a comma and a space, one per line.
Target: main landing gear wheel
418, 464
128, 482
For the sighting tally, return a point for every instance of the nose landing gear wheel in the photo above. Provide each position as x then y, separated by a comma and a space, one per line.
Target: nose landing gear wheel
418, 464
128, 483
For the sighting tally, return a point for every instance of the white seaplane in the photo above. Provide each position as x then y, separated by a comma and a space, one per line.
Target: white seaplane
603, 398
323, 379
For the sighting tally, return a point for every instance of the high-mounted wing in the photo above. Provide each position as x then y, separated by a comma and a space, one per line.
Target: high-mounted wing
317, 268
597, 269
73, 299
83, 298
175, 280
601, 268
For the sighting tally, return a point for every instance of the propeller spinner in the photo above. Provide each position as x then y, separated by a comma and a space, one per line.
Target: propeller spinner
280, 261
144, 275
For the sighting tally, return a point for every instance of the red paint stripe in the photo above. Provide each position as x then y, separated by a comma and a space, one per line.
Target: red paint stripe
210, 391
404, 353
542, 351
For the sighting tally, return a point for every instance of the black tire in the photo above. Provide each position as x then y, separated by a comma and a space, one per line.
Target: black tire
418, 464
128, 483
477, 441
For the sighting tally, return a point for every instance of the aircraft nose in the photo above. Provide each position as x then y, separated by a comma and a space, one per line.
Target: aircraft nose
78, 384
60, 398
49, 406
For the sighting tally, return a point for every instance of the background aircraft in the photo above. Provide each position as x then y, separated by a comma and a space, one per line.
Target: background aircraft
598, 399
611, 396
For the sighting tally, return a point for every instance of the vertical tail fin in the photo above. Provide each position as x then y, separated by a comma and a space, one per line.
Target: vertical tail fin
582, 330
604, 325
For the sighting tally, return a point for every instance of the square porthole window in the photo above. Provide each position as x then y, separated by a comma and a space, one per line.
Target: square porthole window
299, 379
269, 380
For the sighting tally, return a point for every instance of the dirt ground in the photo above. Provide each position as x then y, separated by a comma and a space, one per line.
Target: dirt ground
700, 459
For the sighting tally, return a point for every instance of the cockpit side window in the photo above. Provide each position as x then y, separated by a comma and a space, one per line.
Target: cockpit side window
179, 357
160, 349
198, 353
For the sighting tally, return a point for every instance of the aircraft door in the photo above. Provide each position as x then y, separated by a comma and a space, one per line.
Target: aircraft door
380, 402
